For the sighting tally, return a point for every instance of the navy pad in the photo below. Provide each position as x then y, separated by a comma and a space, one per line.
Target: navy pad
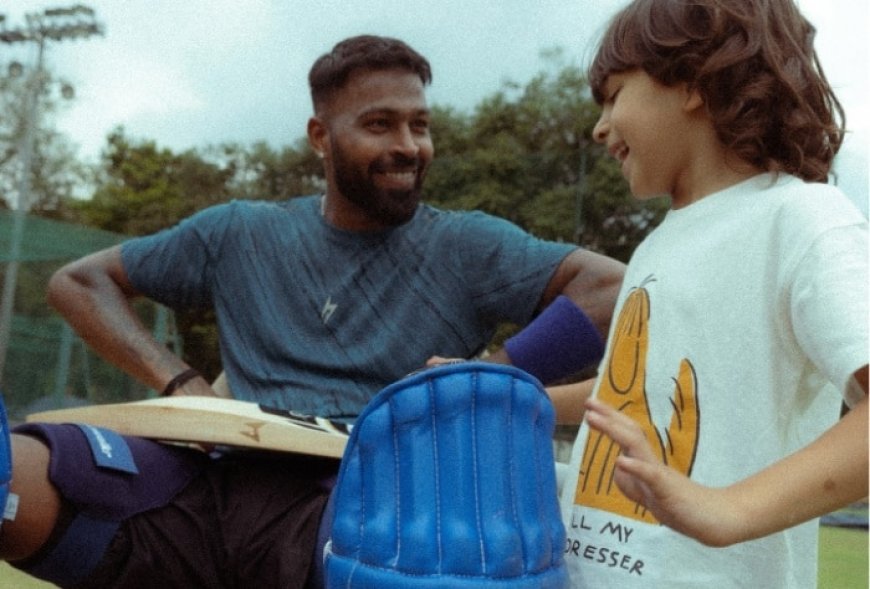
110, 493
108, 478
448, 481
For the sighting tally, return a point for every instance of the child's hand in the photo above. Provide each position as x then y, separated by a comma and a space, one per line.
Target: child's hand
623, 386
676, 501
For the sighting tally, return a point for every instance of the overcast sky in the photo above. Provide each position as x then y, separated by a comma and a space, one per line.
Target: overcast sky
192, 73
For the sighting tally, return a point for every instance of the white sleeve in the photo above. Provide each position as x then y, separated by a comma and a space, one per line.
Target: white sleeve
829, 304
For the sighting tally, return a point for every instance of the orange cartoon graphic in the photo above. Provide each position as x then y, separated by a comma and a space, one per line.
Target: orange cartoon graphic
623, 385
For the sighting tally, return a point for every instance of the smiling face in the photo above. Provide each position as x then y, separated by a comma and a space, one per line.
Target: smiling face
664, 139
646, 126
374, 139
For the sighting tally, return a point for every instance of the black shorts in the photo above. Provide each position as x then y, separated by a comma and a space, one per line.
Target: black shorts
249, 520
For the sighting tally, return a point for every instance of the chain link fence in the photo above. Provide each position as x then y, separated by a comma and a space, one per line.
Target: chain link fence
45, 365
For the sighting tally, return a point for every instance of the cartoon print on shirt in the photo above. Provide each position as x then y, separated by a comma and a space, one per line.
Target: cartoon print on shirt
623, 385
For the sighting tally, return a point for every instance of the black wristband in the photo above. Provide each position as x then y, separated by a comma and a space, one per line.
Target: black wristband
179, 381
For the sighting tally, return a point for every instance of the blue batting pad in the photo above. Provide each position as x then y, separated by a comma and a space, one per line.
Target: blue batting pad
5, 459
448, 481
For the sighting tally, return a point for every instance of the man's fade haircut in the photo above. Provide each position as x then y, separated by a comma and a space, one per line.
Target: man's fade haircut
331, 71
752, 62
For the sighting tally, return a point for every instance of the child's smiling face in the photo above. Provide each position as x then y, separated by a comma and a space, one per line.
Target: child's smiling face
647, 127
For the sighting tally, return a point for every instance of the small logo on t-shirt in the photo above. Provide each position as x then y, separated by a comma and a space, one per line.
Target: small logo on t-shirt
328, 309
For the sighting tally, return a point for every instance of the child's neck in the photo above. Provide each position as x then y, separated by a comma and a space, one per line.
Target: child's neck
709, 174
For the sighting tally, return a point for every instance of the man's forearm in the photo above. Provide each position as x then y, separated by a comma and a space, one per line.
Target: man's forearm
568, 400
100, 312
592, 281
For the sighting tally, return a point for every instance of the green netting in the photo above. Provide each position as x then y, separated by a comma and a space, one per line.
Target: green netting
44, 239
46, 365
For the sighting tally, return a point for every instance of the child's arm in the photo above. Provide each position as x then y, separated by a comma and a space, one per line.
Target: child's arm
828, 474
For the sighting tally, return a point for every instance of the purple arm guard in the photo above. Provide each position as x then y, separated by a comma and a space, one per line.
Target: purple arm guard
557, 343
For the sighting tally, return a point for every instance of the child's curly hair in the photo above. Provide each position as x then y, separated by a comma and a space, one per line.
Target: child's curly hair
753, 63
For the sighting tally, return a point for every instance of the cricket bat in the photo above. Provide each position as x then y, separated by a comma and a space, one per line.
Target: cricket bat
211, 421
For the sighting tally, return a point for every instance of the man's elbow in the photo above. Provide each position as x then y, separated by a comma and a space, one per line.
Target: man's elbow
596, 288
61, 285
93, 275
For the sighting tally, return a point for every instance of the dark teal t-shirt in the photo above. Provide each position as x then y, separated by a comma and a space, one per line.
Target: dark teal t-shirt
318, 320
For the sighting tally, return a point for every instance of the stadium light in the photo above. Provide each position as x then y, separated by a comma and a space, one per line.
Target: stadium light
55, 24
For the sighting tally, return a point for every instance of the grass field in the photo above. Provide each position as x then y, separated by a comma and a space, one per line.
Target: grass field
843, 560
843, 563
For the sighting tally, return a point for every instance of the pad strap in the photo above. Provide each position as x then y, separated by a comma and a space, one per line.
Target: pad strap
78, 552
112, 477
559, 342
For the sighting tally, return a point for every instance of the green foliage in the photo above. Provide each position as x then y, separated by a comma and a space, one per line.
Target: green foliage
145, 188
526, 154
55, 173
259, 172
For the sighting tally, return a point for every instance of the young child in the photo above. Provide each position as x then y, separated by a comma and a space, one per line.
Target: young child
742, 323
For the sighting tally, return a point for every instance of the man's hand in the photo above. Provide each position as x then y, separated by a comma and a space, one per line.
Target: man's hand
197, 387
439, 360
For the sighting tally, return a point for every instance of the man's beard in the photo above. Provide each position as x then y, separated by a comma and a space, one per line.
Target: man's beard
390, 207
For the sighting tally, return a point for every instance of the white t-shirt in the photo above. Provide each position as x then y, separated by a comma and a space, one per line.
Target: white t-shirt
740, 322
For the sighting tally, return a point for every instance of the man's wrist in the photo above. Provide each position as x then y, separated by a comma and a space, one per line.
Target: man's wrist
179, 381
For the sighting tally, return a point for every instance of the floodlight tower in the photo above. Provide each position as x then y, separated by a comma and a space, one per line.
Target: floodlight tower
55, 24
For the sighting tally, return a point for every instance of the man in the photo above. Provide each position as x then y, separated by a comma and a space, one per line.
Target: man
320, 301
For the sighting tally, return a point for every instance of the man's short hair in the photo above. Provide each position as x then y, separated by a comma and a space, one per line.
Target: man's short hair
331, 71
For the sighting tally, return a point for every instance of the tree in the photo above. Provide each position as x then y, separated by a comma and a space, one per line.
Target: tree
55, 172
260, 172
526, 154
143, 188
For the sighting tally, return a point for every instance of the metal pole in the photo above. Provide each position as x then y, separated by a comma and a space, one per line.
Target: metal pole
22, 205
581, 192
54, 24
